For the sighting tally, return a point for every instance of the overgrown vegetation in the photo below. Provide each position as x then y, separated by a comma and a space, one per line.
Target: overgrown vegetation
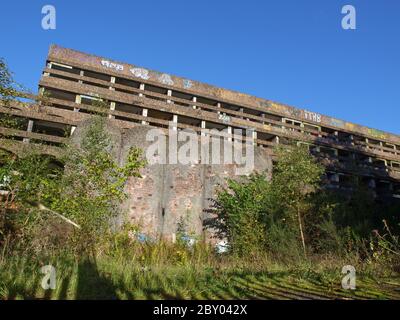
288, 237
80, 199
7, 83
294, 217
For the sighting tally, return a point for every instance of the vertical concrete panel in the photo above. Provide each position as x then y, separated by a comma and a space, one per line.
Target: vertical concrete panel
183, 198
144, 203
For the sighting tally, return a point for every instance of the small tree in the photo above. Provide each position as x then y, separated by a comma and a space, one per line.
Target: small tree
87, 193
239, 211
295, 178
92, 187
7, 83
8, 91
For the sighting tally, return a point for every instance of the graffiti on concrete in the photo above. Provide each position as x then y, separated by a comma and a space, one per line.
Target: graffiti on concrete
187, 84
336, 123
264, 103
377, 133
112, 65
140, 73
166, 79
308, 115
224, 118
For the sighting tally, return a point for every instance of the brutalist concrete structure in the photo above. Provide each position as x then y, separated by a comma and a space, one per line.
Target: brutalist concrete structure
140, 99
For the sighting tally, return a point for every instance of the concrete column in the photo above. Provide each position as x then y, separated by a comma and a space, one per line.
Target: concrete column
78, 100
144, 114
81, 73
218, 106
283, 121
277, 140
263, 116
381, 144
113, 82
30, 126
29, 129
203, 126
194, 99
175, 121
254, 138
112, 104
169, 94
112, 108
141, 87
241, 111
230, 133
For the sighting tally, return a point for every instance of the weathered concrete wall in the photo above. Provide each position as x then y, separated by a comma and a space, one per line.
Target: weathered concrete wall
168, 192
116, 68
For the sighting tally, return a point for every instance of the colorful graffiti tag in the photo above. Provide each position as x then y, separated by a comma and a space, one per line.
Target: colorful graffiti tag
336, 123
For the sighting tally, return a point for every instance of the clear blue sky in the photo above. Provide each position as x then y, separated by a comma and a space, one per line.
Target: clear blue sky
290, 51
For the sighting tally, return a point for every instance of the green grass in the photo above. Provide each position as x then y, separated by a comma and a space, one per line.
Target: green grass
123, 278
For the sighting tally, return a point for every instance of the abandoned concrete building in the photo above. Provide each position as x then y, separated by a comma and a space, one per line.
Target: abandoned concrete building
140, 99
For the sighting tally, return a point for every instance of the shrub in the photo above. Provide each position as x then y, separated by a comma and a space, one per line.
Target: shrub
239, 210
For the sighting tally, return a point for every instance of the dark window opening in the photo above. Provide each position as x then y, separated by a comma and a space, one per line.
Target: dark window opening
189, 121
207, 101
51, 128
128, 108
151, 88
96, 75
126, 82
62, 95
160, 115
182, 95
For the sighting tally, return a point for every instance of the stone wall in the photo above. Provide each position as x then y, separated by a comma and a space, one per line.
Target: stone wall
167, 193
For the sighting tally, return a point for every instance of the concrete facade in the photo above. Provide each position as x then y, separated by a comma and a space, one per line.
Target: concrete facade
138, 99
